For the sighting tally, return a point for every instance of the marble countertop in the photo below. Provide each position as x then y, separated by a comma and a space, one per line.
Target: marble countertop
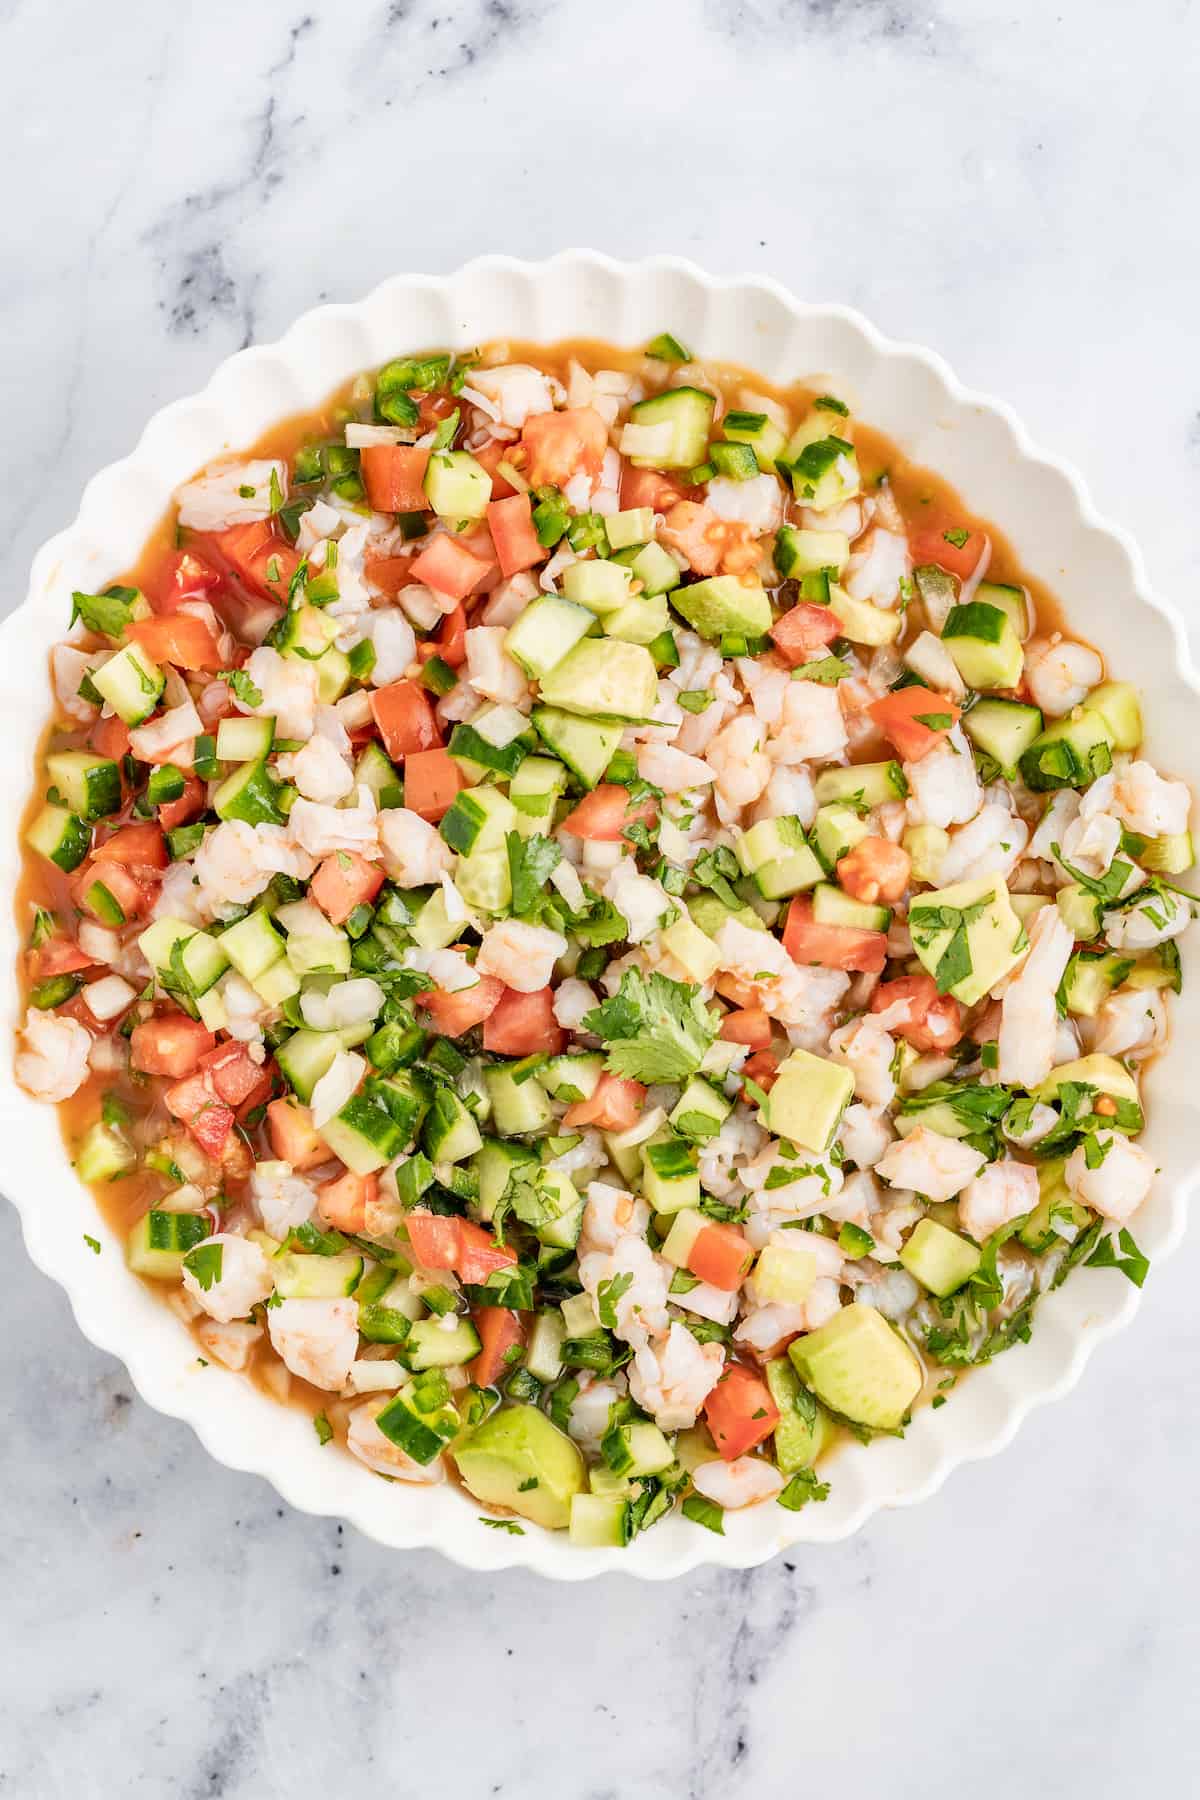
1018, 191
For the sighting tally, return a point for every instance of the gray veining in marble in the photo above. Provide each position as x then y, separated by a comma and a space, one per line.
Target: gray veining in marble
1013, 185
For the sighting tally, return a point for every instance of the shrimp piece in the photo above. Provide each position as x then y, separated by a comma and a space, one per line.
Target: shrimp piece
521, 955
54, 1063
790, 793
804, 999
1146, 802
745, 1481
1028, 1014
816, 1183
232, 493
317, 1339
1060, 674
587, 1421
741, 769
879, 563
876, 870
289, 692
243, 1278
1130, 1024
318, 771
1042, 1119
173, 730
937, 1167
573, 1000
671, 770
1119, 1183
992, 844
712, 545
892, 1292
610, 1215
228, 1342
323, 830
365, 1440
672, 1376
943, 786
757, 503
562, 444
1162, 915
865, 1134
1001, 1192
490, 670
284, 1200
414, 852
723, 1158
812, 726
866, 1050
69, 666
515, 392
641, 1310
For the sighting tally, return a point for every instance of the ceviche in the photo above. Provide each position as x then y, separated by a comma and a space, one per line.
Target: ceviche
589, 927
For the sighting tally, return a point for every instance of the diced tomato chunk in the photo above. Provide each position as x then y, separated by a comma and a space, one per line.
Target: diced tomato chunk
914, 720
449, 567
294, 1138
499, 1330
762, 1069
832, 946
431, 780
749, 1025
740, 1411
524, 1024
929, 1020
210, 1121
390, 574
343, 1203
260, 557
181, 639
342, 882
170, 1044
110, 737
133, 895
721, 1256
190, 804
804, 629
931, 544
394, 477
511, 525
405, 717
452, 1014
60, 956
434, 1238
876, 870
613, 1106
559, 445
490, 456
135, 847
185, 576
606, 812
650, 487
479, 1255
451, 638
235, 1076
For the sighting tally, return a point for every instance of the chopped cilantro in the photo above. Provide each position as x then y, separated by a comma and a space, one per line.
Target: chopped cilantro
242, 686
655, 1029
705, 1512
322, 1427
803, 1487
92, 1243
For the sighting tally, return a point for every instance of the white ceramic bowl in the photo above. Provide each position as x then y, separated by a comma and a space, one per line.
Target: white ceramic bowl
908, 393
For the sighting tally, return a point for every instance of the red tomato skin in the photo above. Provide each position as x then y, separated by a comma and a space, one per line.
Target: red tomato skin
394, 476
832, 946
511, 525
934, 1021
898, 716
338, 889
434, 1238
405, 717
499, 1329
740, 1411
432, 778
804, 629
170, 1044
750, 1025
606, 812
449, 567
453, 1014
479, 1255
524, 1025
929, 544
614, 1106
721, 1256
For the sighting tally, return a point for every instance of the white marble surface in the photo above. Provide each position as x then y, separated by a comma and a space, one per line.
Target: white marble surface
1013, 185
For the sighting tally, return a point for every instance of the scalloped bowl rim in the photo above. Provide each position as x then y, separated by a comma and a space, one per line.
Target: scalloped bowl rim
111, 1308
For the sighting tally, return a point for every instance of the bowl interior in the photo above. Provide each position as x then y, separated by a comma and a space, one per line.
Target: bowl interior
906, 393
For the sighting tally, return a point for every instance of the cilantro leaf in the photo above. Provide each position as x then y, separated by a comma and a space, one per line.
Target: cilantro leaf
509, 1525
705, 1512
242, 686
803, 1487
322, 1427
656, 1029
204, 1262
1133, 1264
607, 1296
531, 861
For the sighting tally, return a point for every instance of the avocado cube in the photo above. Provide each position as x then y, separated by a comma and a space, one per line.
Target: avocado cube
1098, 1071
977, 919
939, 1259
696, 953
513, 1448
604, 679
859, 1367
724, 606
808, 1099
